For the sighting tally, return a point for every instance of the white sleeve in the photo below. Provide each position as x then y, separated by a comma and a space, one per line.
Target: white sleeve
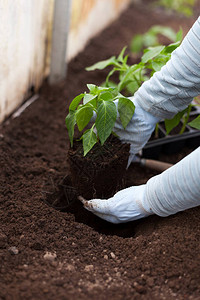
176, 189
171, 89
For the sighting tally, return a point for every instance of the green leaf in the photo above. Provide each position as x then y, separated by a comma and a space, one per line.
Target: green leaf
166, 31
170, 48
108, 77
128, 77
187, 11
182, 6
70, 122
75, 102
92, 88
151, 52
137, 43
172, 123
89, 140
88, 97
125, 59
107, 96
157, 65
105, 121
101, 89
150, 40
110, 83
121, 55
102, 64
83, 116
132, 87
195, 123
126, 110
179, 36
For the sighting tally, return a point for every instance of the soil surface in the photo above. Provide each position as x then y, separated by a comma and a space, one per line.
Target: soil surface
49, 254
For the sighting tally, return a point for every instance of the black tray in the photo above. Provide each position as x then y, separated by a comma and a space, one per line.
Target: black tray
172, 143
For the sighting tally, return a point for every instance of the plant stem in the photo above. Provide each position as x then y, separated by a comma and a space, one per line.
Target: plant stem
138, 82
156, 131
185, 118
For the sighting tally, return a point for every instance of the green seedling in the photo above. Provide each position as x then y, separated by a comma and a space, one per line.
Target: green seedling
131, 77
180, 116
127, 74
195, 123
151, 38
99, 101
184, 7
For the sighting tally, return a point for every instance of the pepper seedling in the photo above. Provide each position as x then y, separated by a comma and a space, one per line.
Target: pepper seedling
131, 77
184, 7
98, 102
151, 38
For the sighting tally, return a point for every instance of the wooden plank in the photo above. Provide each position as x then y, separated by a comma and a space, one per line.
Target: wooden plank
59, 40
88, 18
24, 40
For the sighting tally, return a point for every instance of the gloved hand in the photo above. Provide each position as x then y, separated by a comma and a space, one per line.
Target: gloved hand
138, 131
126, 205
174, 190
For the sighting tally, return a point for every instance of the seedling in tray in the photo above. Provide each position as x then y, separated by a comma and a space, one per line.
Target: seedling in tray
151, 38
131, 77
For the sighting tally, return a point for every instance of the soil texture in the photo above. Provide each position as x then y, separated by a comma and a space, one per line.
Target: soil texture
101, 172
48, 253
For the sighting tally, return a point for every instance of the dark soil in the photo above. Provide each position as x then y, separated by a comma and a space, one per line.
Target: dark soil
101, 172
48, 254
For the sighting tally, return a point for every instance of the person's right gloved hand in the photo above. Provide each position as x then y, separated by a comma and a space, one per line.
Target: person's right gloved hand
138, 131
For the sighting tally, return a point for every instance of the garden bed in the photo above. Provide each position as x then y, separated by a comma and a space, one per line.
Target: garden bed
49, 254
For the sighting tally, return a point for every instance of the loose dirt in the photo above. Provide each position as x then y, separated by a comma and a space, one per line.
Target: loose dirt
49, 254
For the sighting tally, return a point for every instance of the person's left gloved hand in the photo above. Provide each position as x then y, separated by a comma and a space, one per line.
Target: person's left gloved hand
126, 205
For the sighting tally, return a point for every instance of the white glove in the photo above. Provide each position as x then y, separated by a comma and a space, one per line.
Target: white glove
176, 189
138, 131
126, 205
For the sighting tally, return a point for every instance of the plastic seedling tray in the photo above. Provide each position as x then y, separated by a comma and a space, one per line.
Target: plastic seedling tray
172, 143
154, 146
